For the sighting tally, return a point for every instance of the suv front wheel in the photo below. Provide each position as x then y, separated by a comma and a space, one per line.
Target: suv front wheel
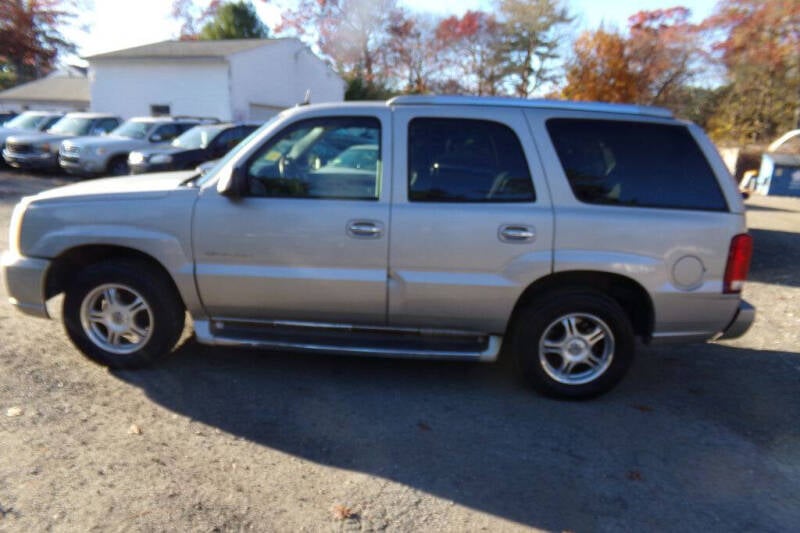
573, 344
123, 314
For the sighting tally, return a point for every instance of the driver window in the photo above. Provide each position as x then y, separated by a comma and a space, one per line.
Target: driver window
328, 158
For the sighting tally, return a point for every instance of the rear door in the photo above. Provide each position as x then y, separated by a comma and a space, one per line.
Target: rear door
472, 223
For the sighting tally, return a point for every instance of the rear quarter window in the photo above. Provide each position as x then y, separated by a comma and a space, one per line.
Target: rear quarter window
635, 164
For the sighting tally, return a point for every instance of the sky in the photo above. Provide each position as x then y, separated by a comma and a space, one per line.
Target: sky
117, 24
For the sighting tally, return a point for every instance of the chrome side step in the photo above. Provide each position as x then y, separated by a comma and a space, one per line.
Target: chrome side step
348, 339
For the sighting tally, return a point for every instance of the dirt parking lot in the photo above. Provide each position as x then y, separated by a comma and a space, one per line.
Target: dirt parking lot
697, 438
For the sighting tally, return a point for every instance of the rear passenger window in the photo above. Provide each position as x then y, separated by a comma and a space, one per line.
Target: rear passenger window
455, 160
635, 164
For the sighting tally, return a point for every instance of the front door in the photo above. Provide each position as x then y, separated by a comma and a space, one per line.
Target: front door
308, 241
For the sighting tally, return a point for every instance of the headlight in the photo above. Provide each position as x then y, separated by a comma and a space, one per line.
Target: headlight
15, 225
161, 159
136, 158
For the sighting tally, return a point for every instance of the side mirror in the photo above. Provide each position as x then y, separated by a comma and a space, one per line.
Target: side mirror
232, 183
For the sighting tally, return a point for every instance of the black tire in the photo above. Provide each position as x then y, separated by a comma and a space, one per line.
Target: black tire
118, 166
541, 320
164, 322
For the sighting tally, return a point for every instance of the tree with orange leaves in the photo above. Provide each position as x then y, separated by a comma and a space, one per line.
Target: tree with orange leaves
602, 69
650, 65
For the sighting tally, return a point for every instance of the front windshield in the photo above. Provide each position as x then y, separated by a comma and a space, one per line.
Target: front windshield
197, 137
71, 126
25, 121
132, 129
212, 172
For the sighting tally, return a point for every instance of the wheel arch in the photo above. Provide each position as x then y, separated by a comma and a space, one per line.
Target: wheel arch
628, 293
63, 267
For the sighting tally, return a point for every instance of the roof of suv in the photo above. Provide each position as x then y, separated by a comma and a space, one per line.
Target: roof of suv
499, 101
502, 101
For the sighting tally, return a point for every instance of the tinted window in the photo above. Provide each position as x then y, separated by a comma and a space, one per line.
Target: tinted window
454, 160
108, 124
229, 138
311, 159
635, 164
168, 131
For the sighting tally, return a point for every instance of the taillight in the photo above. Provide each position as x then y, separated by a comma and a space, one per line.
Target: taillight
738, 263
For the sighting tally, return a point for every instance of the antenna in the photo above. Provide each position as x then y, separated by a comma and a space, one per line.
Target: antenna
307, 99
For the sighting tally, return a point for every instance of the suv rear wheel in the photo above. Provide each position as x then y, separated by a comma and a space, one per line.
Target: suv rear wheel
123, 314
573, 344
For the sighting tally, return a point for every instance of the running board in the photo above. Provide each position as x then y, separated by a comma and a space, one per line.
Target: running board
346, 339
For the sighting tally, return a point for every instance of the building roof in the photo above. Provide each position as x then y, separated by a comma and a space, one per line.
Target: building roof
50, 89
185, 49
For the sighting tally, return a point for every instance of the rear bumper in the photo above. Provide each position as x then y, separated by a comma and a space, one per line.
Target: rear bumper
741, 322
25, 279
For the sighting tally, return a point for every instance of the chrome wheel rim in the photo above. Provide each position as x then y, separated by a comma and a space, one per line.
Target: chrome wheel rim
116, 318
576, 348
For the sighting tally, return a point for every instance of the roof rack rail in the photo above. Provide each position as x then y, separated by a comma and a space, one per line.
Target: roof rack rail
206, 120
538, 103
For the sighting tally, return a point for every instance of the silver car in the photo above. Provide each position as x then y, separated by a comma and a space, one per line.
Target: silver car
39, 150
560, 231
92, 156
27, 122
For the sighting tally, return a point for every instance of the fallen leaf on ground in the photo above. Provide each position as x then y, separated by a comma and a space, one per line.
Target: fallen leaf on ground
423, 426
134, 430
14, 411
342, 512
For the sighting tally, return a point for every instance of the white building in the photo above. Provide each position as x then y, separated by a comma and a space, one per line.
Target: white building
239, 79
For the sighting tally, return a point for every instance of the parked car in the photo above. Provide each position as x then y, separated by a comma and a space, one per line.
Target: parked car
192, 148
25, 123
40, 150
559, 230
92, 156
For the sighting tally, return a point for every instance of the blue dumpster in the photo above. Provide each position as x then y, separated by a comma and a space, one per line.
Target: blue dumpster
779, 175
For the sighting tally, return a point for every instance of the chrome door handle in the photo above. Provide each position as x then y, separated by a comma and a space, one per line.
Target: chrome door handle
364, 229
516, 233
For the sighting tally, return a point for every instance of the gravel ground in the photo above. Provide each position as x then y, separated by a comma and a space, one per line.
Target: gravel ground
700, 437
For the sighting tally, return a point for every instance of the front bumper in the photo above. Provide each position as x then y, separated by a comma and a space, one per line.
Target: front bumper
741, 322
36, 160
25, 283
73, 165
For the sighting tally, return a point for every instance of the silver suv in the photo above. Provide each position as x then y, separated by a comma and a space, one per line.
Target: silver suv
91, 156
39, 150
434, 227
